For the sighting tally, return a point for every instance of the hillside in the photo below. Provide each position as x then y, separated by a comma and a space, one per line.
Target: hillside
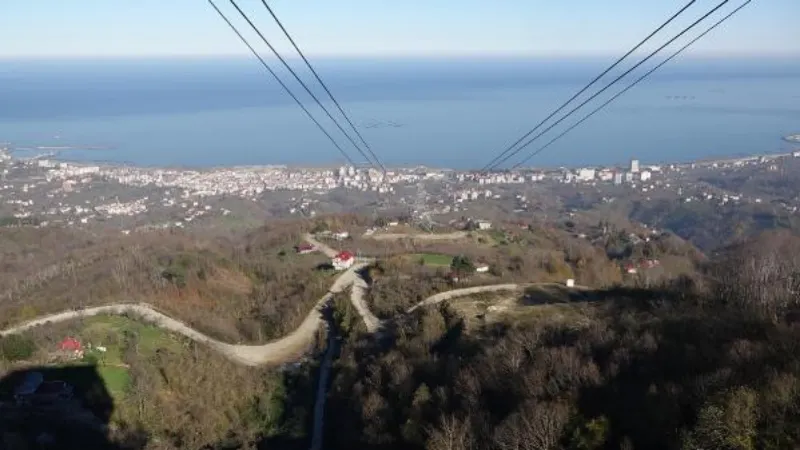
679, 366
700, 347
247, 288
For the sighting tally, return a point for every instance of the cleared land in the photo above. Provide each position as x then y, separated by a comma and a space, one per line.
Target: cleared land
433, 259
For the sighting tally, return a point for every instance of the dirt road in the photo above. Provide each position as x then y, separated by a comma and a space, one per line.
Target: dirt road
449, 295
420, 237
279, 351
324, 248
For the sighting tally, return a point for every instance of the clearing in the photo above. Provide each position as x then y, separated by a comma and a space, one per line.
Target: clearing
433, 259
541, 303
118, 334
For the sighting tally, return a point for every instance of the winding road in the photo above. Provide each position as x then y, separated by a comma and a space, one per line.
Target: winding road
281, 350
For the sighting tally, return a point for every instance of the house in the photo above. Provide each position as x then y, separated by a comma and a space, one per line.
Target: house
343, 261
340, 236
483, 268
71, 346
305, 249
630, 268
484, 225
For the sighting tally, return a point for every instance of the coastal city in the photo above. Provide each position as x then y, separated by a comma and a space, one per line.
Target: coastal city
45, 192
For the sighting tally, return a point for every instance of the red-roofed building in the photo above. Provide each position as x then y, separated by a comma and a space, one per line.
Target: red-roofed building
343, 261
71, 346
305, 248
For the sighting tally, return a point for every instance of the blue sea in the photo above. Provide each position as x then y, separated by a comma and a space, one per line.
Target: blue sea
445, 113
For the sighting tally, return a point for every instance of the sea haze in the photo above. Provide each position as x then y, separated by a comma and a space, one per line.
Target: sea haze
455, 113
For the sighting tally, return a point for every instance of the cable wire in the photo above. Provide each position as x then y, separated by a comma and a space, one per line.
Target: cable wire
283, 85
324, 86
299, 80
632, 85
591, 83
609, 85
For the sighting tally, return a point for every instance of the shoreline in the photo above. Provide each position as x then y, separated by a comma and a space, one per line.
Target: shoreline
57, 156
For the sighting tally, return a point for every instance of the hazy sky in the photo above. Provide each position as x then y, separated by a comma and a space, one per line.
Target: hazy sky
73, 28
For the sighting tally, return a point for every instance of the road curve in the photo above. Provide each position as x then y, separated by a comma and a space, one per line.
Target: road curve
449, 295
275, 352
324, 248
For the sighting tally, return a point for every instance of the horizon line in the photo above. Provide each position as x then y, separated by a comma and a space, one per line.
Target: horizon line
397, 57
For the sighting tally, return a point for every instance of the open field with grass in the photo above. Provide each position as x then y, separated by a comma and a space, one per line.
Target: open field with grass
432, 259
181, 392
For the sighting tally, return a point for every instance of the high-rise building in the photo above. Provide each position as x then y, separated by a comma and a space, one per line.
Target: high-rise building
634, 166
618, 178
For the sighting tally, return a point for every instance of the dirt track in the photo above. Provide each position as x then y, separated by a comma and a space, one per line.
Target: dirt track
420, 237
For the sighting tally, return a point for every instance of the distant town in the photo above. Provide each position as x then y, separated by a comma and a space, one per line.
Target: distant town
44, 192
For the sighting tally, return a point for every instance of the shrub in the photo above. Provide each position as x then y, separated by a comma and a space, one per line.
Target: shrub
16, 348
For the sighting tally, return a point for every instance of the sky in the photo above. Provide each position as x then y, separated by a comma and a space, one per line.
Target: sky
46, 29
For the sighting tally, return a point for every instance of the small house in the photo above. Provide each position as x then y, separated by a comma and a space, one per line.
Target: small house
484, 225
304, 249
483, 268
342, 235
343, 261
71, 346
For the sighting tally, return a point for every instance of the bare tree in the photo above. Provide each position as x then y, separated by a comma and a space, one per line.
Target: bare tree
534, 426
451, 434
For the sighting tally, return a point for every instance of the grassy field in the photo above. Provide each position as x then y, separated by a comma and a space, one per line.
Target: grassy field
116, 333
433, 259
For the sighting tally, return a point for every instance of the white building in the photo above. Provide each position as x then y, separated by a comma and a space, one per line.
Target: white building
484, 225
343, 261
645, 175
634, 166
586, 174
618, 178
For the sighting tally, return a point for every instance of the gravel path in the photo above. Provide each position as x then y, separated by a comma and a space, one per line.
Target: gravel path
279, 351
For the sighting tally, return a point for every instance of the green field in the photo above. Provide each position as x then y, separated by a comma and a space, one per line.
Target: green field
116, 333
433, 259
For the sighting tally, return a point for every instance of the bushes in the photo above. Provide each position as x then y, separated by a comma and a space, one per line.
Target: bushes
16, 348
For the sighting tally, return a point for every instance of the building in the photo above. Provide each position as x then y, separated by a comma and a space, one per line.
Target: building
586, 174
645, 175
634, 166
343, 261
483, 268
71, 347
342, 235
304, 249
618, 178
484, 225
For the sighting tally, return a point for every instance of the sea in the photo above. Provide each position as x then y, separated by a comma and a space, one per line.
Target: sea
450, 113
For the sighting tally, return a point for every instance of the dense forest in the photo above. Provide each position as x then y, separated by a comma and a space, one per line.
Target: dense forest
705, 363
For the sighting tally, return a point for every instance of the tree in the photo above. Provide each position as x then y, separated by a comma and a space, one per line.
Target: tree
535, 426
462, 266
16, 348
451, 434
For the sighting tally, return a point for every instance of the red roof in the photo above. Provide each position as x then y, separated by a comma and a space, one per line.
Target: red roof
305, 247
344, 256
70, 344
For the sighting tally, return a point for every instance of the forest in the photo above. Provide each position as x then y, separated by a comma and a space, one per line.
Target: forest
709, 362
699, 354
